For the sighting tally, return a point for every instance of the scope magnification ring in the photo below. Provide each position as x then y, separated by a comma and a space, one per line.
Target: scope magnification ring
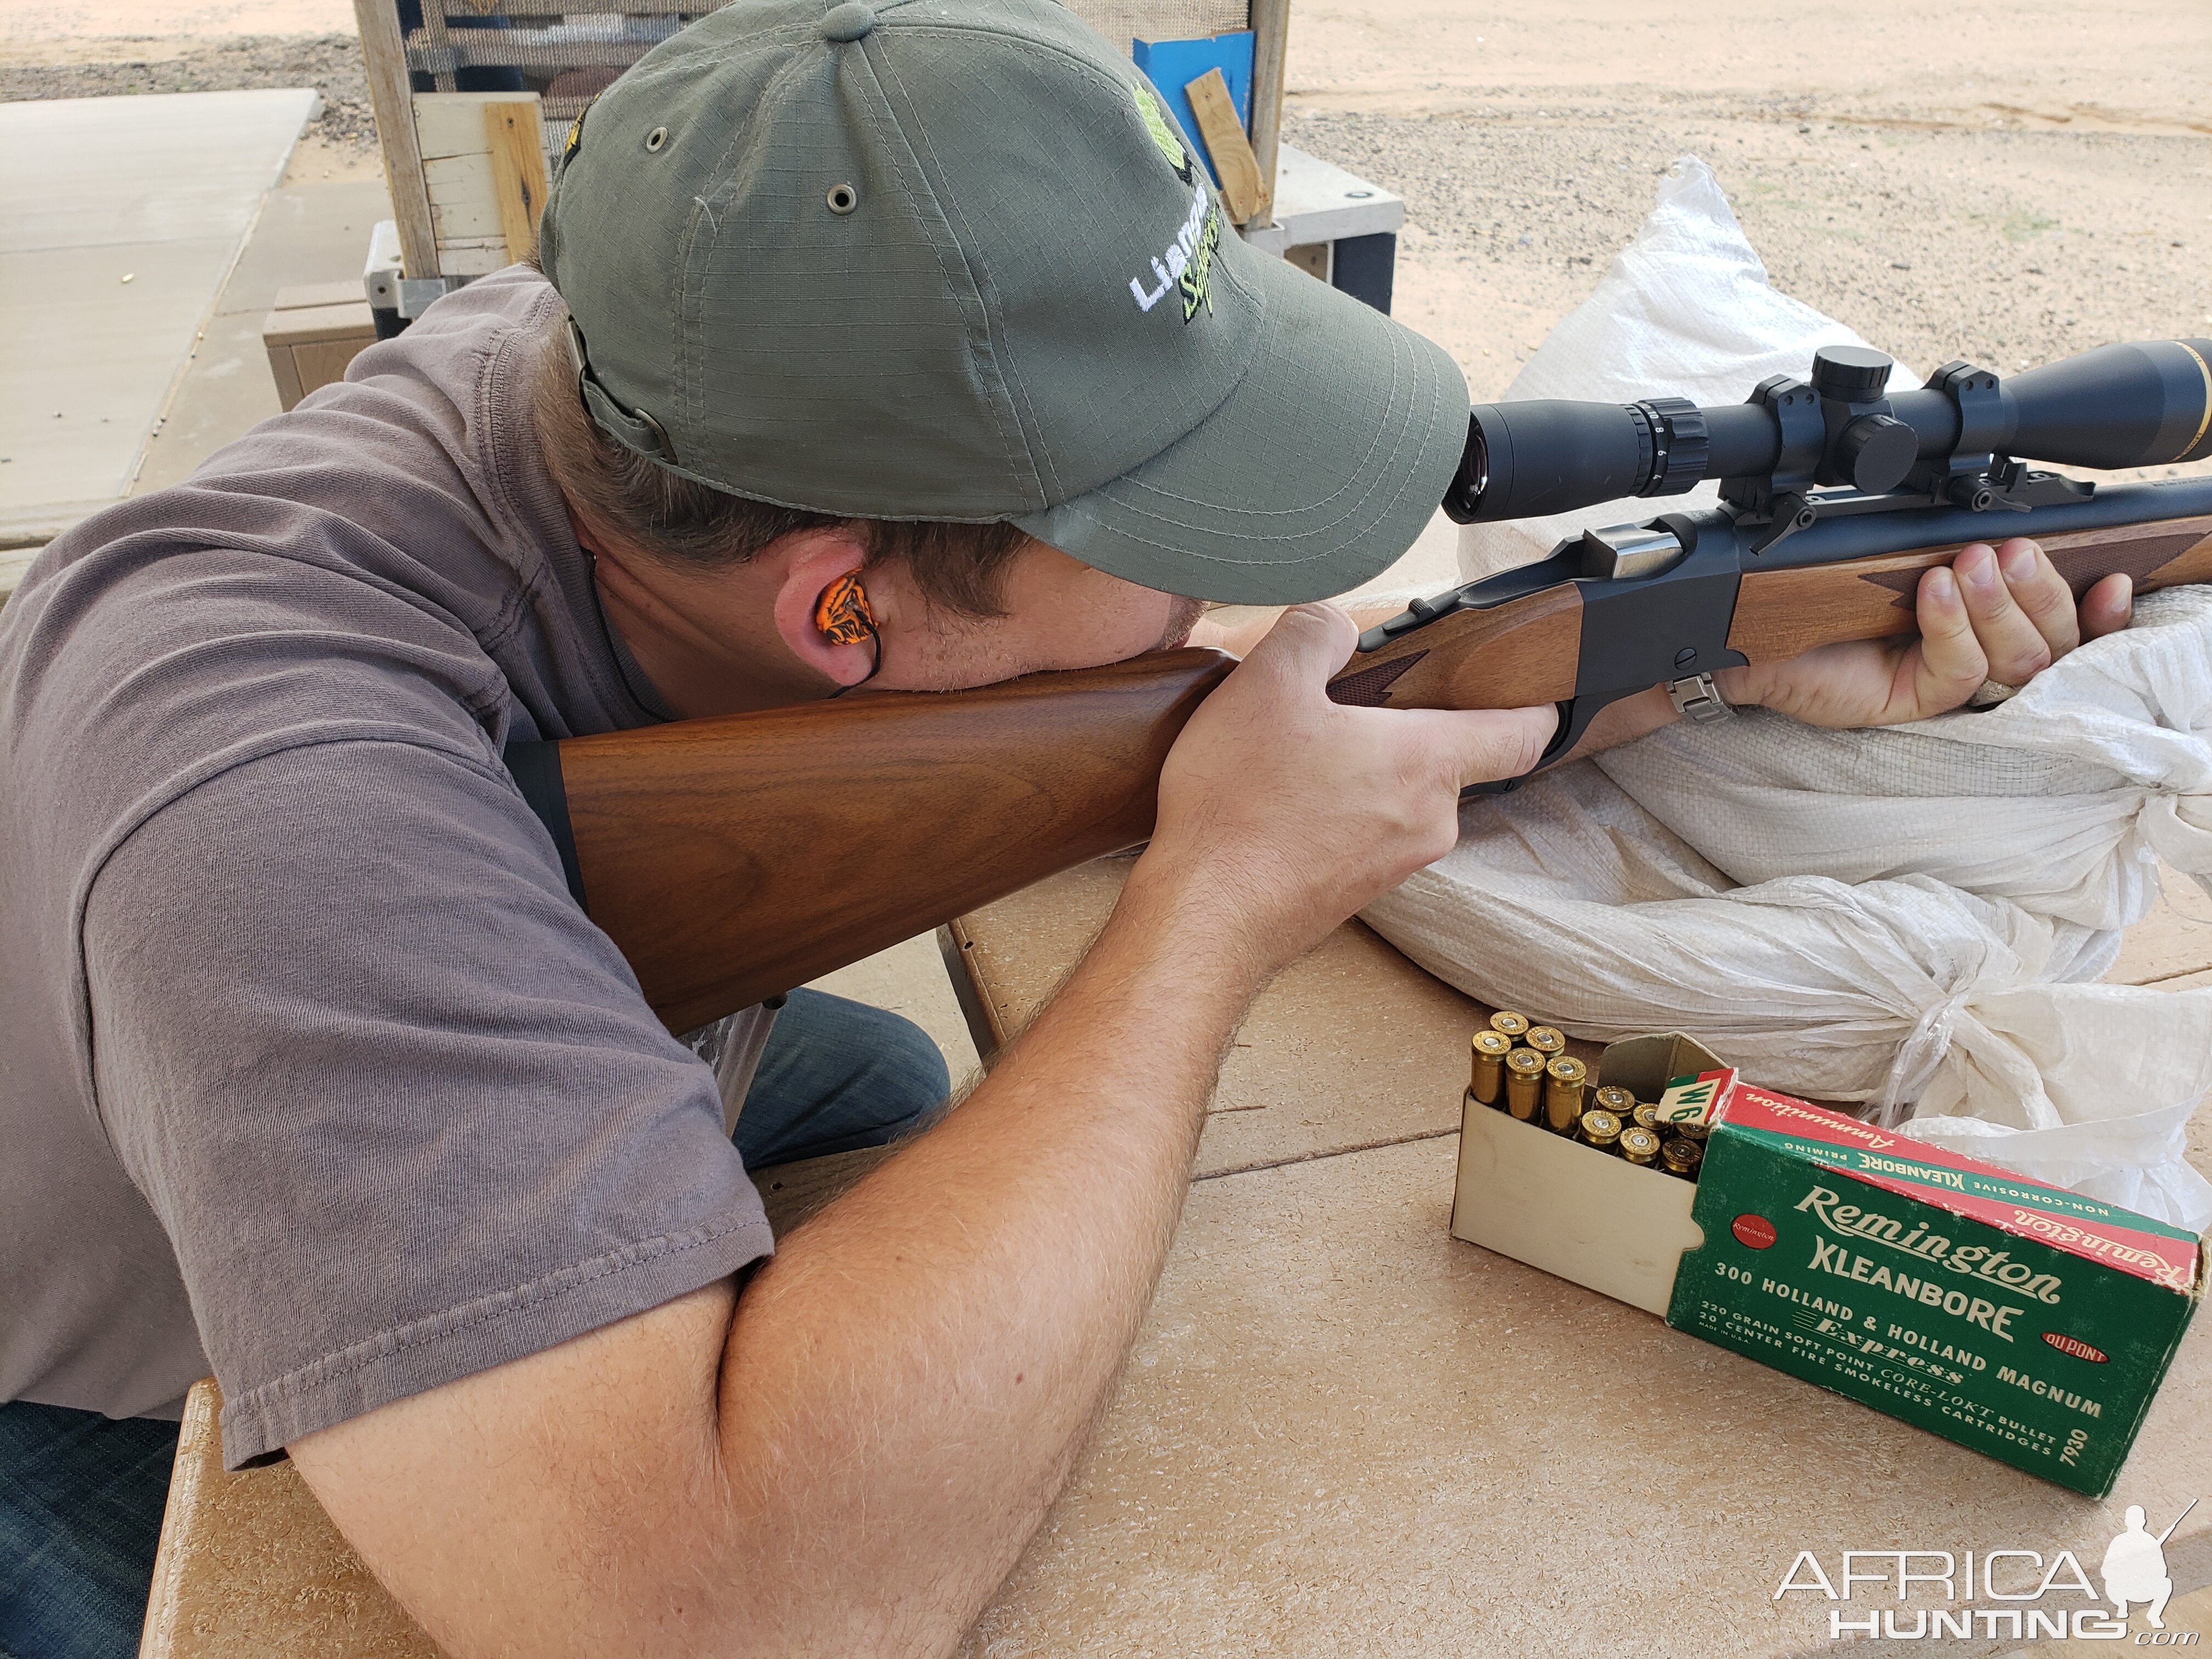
1678, 427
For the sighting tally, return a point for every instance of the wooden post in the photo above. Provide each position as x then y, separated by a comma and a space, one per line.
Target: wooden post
384, 55
517, 136
1271, 28
1242, 187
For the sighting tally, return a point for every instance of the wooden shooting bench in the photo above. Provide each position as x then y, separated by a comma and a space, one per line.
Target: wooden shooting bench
1341, 1431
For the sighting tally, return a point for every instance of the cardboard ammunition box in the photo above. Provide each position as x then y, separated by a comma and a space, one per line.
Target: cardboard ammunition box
2017, 1319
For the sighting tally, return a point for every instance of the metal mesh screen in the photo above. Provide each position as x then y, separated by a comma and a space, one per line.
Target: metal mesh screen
1121, 21
566, 56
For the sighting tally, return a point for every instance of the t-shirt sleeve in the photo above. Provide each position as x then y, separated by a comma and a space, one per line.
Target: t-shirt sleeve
402, 1110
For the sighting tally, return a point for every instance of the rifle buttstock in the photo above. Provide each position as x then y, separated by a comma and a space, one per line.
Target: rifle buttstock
732, 858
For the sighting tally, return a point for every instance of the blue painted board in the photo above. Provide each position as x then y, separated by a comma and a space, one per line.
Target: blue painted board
1171, 65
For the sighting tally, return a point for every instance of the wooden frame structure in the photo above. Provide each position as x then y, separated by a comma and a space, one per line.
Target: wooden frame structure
576, 54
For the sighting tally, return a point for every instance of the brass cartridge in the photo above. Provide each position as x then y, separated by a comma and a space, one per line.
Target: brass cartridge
1646, 1115
1524, 1083
1545, 1041
1617, 1100
1509, 1022
1639, 1146
1564, 1081
1682, 1157
1599, 1128
1488, 1082
1696, 1131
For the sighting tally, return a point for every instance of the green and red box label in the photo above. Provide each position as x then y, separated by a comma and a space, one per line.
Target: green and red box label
2020, 1320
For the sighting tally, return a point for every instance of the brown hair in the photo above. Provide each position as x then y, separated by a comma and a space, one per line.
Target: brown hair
962, 567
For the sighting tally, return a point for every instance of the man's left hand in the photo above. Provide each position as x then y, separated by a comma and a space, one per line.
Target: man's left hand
2002, 614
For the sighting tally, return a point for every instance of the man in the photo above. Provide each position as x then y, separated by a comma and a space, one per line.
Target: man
901, 345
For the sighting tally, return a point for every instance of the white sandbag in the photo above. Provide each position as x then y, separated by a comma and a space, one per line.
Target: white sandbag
2064, 798
1908, 917
1683, 311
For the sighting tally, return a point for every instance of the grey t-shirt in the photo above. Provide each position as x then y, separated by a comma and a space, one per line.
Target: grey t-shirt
312, 1073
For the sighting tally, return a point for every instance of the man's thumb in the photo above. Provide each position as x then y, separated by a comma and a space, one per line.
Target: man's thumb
1308, 643
1487, 744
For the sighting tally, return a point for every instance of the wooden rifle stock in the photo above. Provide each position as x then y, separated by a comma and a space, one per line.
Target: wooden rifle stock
732, 858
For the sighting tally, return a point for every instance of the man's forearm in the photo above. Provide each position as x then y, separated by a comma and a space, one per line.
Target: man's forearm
906, 1384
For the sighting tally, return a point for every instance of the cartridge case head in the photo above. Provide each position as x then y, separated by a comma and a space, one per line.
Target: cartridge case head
1545, 1041
1682, 1157
1506, 1021
1639, 1146
1616, 1100
1599, 1128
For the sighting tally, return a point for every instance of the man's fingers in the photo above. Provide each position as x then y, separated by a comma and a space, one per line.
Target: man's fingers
2012, 645
1482, 745
2109, 606
1948, 664
2042, 595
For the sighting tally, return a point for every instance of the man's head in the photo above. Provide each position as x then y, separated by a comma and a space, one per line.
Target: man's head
949, 261
957, 605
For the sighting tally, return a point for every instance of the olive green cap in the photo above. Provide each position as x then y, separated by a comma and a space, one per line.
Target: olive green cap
953, 259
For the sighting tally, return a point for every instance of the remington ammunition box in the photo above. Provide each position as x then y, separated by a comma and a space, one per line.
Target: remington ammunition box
2015, 1318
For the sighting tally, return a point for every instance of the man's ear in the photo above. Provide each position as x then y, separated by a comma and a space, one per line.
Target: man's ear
811, 561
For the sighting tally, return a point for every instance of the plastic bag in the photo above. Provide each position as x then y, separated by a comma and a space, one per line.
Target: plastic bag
1905, 917
1683, 311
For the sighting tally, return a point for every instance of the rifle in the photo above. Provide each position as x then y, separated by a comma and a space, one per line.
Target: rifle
732, 858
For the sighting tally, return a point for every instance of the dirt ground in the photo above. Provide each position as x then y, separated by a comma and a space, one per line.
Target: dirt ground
2008, 184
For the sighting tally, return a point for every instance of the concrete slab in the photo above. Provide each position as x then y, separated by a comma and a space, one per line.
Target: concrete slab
305, 234
96, 170
2174, 940
309, 232
1341, 1053
226, 390
1341, 1431
161, 190
91, 358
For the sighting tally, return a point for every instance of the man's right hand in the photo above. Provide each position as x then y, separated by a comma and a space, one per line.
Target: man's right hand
849, 1456
1281, 813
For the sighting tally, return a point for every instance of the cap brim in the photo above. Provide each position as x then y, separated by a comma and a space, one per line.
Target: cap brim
1316, 473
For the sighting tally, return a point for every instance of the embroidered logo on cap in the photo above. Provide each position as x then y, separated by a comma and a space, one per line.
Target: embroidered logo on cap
1186, 262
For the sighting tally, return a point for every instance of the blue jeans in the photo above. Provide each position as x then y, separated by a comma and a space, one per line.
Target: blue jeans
81, 1495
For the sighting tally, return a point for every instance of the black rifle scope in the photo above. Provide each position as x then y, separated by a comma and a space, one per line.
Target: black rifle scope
1957, 441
